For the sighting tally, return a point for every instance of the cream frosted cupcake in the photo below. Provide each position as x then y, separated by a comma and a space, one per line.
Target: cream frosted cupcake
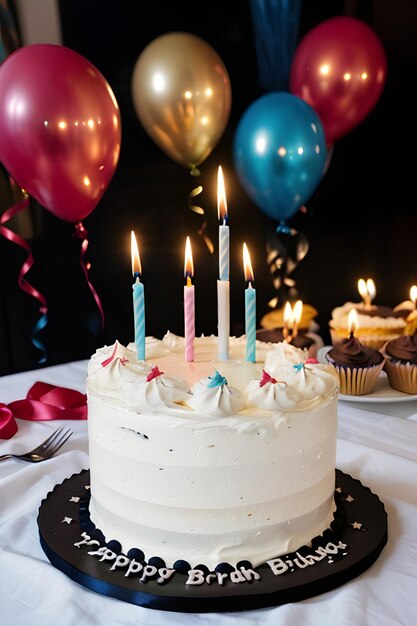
401, 363
377, 324
357, 366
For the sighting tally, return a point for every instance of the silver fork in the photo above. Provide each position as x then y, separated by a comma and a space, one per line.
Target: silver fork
45, 450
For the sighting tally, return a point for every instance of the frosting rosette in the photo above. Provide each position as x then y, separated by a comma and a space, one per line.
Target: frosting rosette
115, 368
212, 396
158, 391
404, 348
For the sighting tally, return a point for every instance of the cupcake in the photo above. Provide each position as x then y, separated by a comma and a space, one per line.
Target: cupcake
377, 324
401, 363
357, 365
273, 323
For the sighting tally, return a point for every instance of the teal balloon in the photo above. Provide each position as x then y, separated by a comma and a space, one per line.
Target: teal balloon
279, 151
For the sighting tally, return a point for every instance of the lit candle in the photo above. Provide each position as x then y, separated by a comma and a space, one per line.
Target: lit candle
413, 295
297, 312
367, 291
287, 321
250, 308
138, 299
353, 322
223, 285
189, 308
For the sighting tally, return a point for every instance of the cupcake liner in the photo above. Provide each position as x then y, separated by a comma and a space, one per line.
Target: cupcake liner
402, 376
358, 381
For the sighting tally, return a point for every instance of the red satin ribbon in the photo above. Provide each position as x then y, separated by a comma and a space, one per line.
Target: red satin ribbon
81, 233
8, 426
48, 402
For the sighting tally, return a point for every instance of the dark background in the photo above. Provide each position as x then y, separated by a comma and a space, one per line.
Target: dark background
362, 221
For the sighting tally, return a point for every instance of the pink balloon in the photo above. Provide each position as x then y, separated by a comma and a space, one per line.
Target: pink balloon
59, 127
339, 68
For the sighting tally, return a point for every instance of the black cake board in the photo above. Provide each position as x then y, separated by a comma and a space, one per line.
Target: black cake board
360, 525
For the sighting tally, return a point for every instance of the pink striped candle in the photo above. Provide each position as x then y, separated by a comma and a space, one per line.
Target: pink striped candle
189, 300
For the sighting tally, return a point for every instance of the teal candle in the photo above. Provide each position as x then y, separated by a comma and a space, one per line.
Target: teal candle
139, 316
250, 323
138, 301
250, 308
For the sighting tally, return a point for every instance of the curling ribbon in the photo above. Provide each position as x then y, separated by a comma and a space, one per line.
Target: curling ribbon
48, 402
81, 233
22, 282
200, 211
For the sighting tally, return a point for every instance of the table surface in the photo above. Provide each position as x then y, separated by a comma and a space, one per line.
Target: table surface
377, 443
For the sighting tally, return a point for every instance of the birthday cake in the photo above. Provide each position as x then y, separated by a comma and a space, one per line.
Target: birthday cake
211, 462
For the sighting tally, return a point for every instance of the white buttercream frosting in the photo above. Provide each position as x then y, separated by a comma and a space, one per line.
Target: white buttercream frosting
217, 400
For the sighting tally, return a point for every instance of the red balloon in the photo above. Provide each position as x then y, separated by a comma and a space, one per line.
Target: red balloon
59, 127
339, 68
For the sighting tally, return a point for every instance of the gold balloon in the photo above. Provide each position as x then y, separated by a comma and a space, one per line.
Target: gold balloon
182, 96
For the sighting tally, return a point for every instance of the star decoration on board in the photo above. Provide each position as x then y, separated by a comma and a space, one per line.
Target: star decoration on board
349, 498
74, 499
67, 520
338, 489
87, 487
357, 525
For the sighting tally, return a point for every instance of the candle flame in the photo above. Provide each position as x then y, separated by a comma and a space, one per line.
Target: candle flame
367, 290
188, 264
362, 289
353, 321
134, 251
221, 196
288, 314
247, 265
413, 293
297, 312
370, 286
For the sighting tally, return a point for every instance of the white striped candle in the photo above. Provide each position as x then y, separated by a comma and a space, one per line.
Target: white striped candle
250, 308
138, 301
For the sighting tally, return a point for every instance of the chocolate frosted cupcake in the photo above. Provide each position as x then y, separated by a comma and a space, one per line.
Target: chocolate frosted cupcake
358, 366
401, 363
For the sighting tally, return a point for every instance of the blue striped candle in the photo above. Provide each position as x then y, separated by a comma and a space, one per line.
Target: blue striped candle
139, 315
250, 323
138, 300
250, 308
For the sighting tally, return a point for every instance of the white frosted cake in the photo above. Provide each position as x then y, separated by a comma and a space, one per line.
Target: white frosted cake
211, 462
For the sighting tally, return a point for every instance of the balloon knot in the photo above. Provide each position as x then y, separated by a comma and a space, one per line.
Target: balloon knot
194, 170
80, 231
283, 228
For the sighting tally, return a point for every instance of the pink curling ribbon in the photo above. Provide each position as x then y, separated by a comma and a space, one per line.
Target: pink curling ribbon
81, 233
23, 282
8, 426
48, 402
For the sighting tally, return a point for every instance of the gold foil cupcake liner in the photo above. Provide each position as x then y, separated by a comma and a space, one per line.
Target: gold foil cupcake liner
358, 381
402, 376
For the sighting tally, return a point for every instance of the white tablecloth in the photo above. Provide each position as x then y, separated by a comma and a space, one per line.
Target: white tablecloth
377, 443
